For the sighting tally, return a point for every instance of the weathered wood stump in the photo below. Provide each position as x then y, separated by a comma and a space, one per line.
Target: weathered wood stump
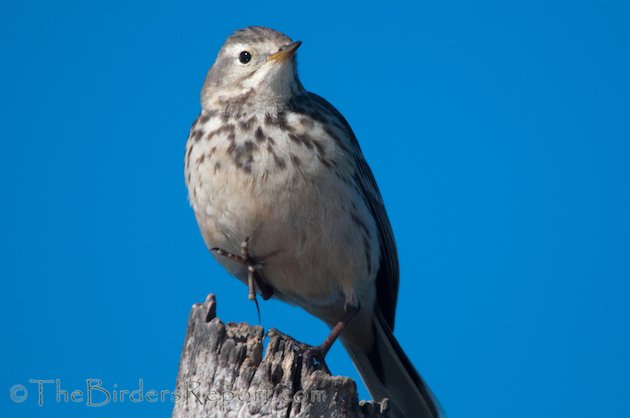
222, 373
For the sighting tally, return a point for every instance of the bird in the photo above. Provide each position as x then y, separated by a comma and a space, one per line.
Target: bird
286, 202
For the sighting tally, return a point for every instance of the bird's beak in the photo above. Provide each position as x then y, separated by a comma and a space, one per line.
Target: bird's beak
285, 52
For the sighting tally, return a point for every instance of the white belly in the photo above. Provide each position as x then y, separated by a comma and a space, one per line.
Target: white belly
301, 219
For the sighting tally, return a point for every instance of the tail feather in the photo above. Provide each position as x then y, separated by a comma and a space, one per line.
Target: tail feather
388, 373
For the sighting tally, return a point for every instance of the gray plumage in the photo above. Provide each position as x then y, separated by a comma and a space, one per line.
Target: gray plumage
270, 161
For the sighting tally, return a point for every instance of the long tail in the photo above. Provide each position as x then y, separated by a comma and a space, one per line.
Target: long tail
387, 372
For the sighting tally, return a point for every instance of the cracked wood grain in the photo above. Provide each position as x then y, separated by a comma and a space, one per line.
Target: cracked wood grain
222, 373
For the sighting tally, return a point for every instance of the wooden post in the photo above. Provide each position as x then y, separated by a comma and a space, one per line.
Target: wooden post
222, 372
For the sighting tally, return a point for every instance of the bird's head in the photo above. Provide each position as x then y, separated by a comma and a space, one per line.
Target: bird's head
255, 68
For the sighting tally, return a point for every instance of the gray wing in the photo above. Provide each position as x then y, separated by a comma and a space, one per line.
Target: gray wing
388, 276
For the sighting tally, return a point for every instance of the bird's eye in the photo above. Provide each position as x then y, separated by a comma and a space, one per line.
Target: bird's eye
245, 57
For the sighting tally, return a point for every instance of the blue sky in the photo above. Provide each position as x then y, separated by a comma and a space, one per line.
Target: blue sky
499, 135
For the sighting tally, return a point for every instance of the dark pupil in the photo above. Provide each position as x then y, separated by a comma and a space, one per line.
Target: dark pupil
245, 57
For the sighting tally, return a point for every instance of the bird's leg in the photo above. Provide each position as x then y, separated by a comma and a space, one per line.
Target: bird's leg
253, 278
319, 353
351, 312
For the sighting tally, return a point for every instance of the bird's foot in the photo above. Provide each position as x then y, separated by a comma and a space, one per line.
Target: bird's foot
317, 356
253, 266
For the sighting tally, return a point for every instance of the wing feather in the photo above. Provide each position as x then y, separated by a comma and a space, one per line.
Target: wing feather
387, 278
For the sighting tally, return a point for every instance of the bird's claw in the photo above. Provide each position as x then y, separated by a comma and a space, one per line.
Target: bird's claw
253, 267
316, 356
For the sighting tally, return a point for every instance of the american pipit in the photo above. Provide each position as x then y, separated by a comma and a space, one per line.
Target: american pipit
283, 195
